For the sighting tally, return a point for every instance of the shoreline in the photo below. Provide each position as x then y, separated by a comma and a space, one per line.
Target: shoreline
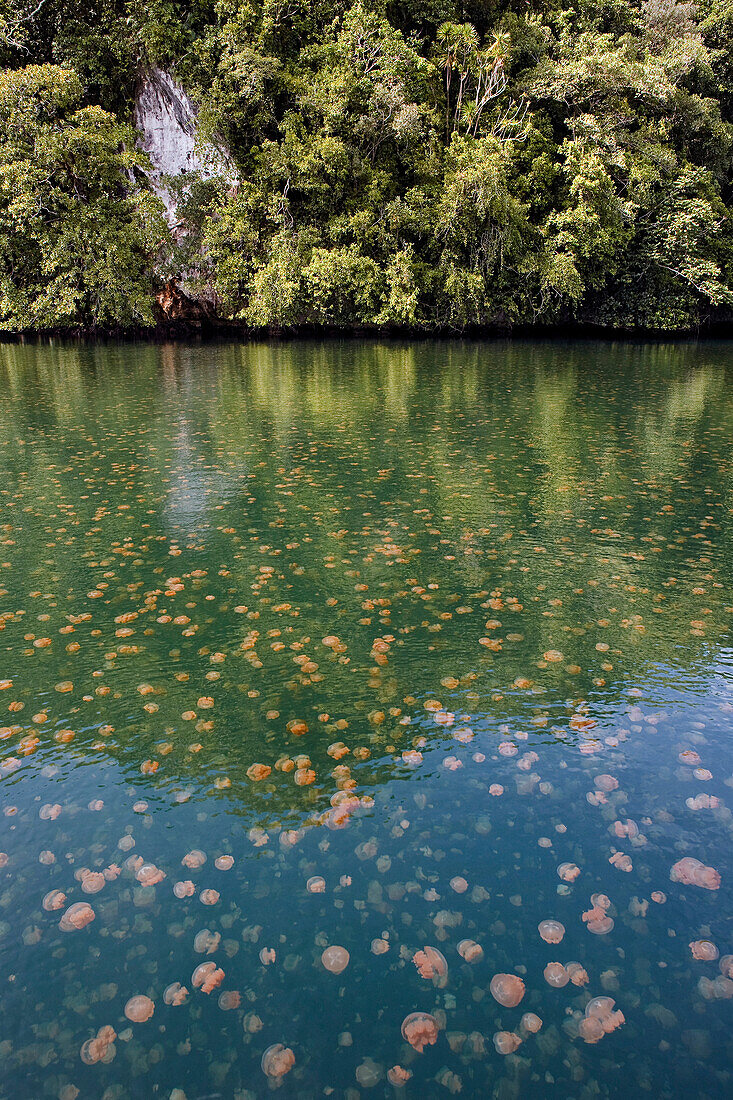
226, 332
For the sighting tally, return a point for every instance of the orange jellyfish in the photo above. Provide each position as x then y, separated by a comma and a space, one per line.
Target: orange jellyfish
206, 977
397, 1076
551, 931
420, 1029
139, 1009
530, 1022
470, 951
704, 950
76, 916
506, 1042
335, 959
556, 975
430, 963
277, 1060
507, 989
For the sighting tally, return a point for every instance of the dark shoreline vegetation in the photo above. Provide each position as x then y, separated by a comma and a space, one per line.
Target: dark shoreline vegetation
420, 168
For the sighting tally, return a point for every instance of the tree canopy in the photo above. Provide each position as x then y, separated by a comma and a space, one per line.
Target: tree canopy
431, 164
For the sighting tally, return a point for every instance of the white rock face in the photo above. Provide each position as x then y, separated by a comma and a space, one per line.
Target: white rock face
166, 119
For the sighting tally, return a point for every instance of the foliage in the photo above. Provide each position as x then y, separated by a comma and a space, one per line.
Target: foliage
425, 164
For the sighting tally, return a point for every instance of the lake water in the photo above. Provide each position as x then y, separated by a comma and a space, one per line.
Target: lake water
374, 646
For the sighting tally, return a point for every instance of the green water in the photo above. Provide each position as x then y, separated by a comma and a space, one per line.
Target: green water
491, 572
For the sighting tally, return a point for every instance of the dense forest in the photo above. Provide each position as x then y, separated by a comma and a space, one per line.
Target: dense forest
429, 165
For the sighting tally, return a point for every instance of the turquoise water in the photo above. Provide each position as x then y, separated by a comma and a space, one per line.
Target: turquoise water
492, 573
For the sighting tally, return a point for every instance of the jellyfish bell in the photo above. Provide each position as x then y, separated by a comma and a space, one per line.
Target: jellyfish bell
277, 1060
506, 1042
397, 1076
224, 863
139, 1009
470, 951
316, 885
431, 964
54, 899
194, 859
77, 916
578, 974
184, 889
507, 989
568, 872
551, 931
420, 1029
229, 999
704, 950
590, 1029
175, 994
459, 884
206, 977
556, 975
530, 1022
335, 959
206, 942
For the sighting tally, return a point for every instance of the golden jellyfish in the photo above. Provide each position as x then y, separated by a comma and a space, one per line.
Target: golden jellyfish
704, 950
568, 872
556, 975
692, 872
92, 881
602, 1009
267, 956
431, 964
175, 994
470, 951
506, 1042
335, 959
726, 966
149, 875
590, 1029
139, 1009
420, 1029
530, 1022
507, 989
258, 772
606, 783
206, 942
184, 889
658, 896
229, 999
551, 931
209, 897
77, 916
54, 899
194, 859
277, 1060
224, 863
206, 977
380, 946
316, 885
578, 974
459, 884
397, 1076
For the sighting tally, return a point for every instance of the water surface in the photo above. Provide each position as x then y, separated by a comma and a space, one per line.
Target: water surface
380, 615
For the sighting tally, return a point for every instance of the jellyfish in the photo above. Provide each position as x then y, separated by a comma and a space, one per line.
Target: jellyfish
507, 989
316, 885
397, 1076
277, 1060
568, 872
530, 1022
335, 959
206, 977
175, 994
209, 897
430, 963
139, 1009
551, 931
224, 863
77, 916
229, 1000
194, 859
420, 1029
704, 950
206, 942
692, 872
506, 1042
184, 889
556, 975
470, 951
